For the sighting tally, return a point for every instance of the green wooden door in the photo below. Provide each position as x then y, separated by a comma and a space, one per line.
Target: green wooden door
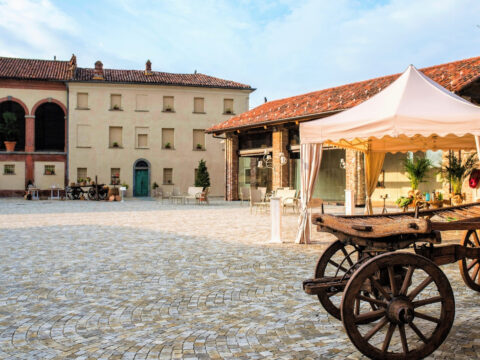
141, 182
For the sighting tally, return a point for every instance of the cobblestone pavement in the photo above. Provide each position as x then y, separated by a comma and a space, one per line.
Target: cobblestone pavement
145, 280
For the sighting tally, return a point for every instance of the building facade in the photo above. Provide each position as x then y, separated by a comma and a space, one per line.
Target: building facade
273, 129
136, 127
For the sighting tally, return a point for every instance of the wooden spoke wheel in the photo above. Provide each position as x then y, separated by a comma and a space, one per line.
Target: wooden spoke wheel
470, 268
337, 260
92, 193
414, 312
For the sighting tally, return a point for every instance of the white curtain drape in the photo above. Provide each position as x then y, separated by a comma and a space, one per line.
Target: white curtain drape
310, 159
477, 142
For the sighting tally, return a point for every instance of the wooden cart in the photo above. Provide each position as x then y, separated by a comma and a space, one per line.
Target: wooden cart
395, 304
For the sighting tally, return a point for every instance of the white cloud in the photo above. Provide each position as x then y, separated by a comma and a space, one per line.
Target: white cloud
35, 27
283, 48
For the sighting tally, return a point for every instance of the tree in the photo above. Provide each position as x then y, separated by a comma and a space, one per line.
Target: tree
9, 126
202, 178
416, 169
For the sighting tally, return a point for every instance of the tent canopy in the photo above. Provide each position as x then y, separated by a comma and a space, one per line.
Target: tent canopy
414, 113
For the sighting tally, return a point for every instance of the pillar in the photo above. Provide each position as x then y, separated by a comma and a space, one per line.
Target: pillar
231, 167
29, 133
355, 175
279, 145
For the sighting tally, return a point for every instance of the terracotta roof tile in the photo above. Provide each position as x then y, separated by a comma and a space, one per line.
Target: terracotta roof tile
453, 76
30, 69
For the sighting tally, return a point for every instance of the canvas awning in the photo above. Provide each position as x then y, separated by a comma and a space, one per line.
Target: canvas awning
414, 113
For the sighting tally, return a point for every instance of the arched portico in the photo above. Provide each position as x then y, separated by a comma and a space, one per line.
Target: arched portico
20, 110
49, 126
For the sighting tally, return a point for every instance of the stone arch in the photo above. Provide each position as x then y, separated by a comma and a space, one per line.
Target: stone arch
10, 104
50, 125
49, 100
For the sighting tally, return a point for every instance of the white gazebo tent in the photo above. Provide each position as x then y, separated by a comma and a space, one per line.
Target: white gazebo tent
414, 113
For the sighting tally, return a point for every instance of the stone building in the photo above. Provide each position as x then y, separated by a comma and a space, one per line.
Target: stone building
273, 129
143, 126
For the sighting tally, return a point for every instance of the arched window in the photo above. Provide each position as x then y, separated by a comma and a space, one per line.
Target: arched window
141, 164
17, 109
49, 128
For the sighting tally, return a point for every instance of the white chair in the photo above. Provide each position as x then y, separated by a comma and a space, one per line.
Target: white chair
244, 194
193, 193
256, 200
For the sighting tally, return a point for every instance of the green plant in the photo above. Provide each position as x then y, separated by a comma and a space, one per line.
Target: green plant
80, 180
199, 146
228, 111
155, 186
202, 178
403, 201
116, 107
167, 145
416, 169
115, 144
456, 171
440, 196
125, 185
9, 126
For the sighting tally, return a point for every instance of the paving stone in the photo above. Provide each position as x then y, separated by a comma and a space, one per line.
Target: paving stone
146, 280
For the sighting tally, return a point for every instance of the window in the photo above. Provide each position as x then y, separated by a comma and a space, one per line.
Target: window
8, 169
199, 105
82, 101
115, 176
141, 140
115, 102
142, 103
49, 170
228, 106
81, 174
168, 138
115, 137
83, 136
167, 176
168, 104
198, 139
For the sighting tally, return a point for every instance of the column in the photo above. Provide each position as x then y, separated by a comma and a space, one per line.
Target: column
355, 175
231, 167
279, 145
29, 133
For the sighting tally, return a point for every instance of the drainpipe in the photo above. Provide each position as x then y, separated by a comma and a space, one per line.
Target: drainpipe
67, 133
223, 138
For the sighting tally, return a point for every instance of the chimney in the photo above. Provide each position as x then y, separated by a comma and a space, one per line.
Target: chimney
98, 72
72, 66
148, 68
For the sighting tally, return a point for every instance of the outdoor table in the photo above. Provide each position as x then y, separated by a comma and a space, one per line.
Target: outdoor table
34, 193
179, 199
54, 189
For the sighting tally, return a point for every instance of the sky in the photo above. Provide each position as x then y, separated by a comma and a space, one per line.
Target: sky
282, 48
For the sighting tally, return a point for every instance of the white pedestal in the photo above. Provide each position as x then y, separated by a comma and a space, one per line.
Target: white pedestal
349, 202
276, 214
122, 191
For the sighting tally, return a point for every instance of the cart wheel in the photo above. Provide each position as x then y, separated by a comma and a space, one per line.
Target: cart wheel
336, 261
414, 312
102, 195
91, 194
470, 268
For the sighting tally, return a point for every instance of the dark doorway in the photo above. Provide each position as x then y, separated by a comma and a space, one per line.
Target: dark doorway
17, 109
49, 128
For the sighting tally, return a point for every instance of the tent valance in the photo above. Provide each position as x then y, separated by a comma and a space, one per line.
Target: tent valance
412, 114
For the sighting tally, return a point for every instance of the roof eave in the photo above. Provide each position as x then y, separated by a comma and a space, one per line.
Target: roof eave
301, 118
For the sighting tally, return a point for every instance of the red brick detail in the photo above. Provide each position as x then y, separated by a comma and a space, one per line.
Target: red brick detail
18, 101
453, 76
29, 169
279, 145
49, 100
231, 167
11, 193
355, 175
32, 84
29, 133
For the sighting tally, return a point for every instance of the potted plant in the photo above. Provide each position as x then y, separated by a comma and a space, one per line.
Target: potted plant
9, 130
168, 108
228, 111
116, 107
168, 146
202, 178
125, 185
456, 171
115, 144
417, 169
199, 146
155, 186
